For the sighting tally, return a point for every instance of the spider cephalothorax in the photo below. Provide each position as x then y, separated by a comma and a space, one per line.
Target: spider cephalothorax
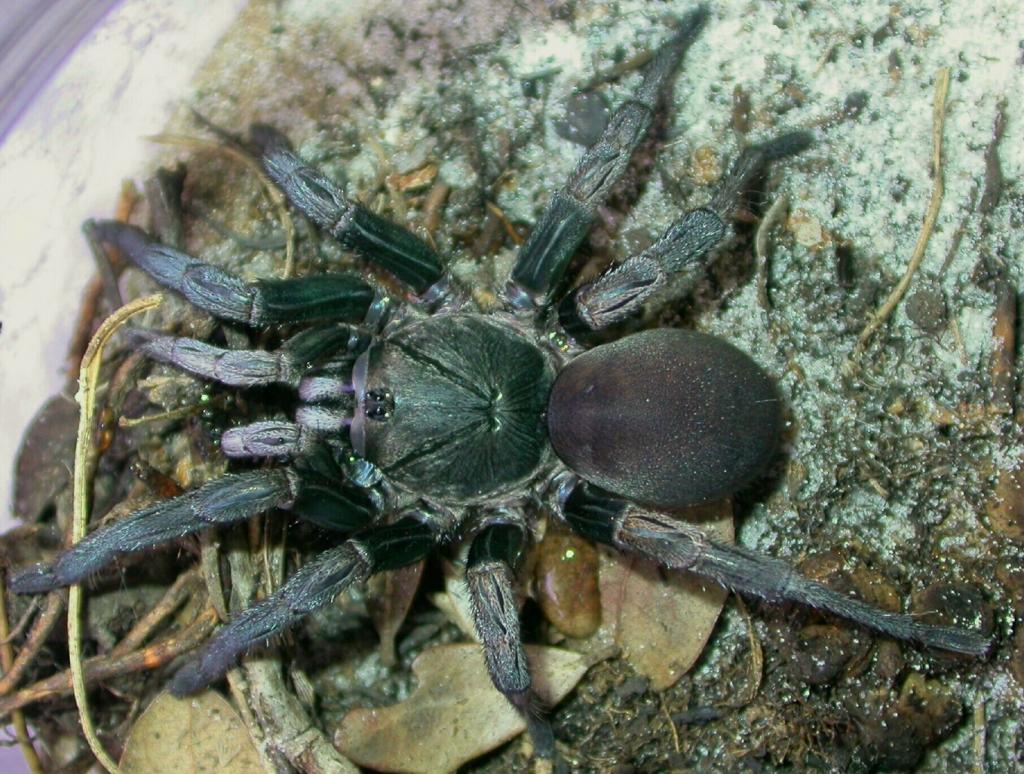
438, 421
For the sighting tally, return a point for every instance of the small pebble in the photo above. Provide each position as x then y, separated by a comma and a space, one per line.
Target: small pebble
586, 116
896, 735
926, 308
952, 604
821, 653
566, 582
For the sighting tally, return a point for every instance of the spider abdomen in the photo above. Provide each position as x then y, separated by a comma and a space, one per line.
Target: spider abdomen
467, 400
668, 417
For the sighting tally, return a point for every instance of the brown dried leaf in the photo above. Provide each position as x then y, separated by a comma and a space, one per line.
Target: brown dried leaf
454, 715
392, 594
199, 733
47, 452
411, 181
661, 619
454, 601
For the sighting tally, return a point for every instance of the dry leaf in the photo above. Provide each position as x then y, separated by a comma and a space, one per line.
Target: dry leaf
454, 601
198, 733
392, 594
411, 181
45, 457
455, 714
661, 619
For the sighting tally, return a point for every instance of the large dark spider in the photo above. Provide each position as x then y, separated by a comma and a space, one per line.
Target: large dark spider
437, 422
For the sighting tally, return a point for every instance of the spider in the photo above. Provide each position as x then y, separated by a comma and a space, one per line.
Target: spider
437, 422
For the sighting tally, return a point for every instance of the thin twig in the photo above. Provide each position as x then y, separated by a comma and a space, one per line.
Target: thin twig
26, 618
88, 383
432, 207
938, 121
771, 217
209, 563
88, 311
182, 588
99, 668
671, 724
55, 603
104, 268
210, 567
506, 224
7, 660
275, 196
978, 741
164, 416
756, 659
289, 729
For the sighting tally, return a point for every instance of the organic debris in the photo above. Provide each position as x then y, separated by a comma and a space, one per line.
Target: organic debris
199, 733
660, 619
454, 715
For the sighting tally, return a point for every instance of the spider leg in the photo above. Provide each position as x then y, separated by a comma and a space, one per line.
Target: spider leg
311, 587
489, 576
242, 367
565, 221
677, 545
259, 303
269, 438
621, 292
222, 501
226, 500
376, 239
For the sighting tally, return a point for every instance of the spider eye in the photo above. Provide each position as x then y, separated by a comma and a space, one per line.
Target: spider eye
378, 404
667, 417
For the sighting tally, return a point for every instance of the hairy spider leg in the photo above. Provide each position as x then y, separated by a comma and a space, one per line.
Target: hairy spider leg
316, 363
566, 220
289, 364
490, 572
375, 239
674, 544
311, 587
329, 497
621, 291
226, 500
259, 303
326, 393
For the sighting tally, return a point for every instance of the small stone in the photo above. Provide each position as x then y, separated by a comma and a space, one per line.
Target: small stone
952, 604
45, 458
926, 308
930, 707
896, 735
705, 167
566, 580
821, 654
586, 116
889, 661
876, 590
807, 230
